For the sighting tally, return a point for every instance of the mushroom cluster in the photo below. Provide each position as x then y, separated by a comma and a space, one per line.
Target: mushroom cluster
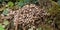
27, 16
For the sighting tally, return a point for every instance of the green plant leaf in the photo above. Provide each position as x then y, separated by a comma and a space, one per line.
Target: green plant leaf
39, 28
20, 4
21, 0
0, 0
34, 1
26, 1
5, 11
58, 2
1, 27
5, 22
10, 4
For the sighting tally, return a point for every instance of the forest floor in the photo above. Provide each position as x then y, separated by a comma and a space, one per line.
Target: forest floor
29, 17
